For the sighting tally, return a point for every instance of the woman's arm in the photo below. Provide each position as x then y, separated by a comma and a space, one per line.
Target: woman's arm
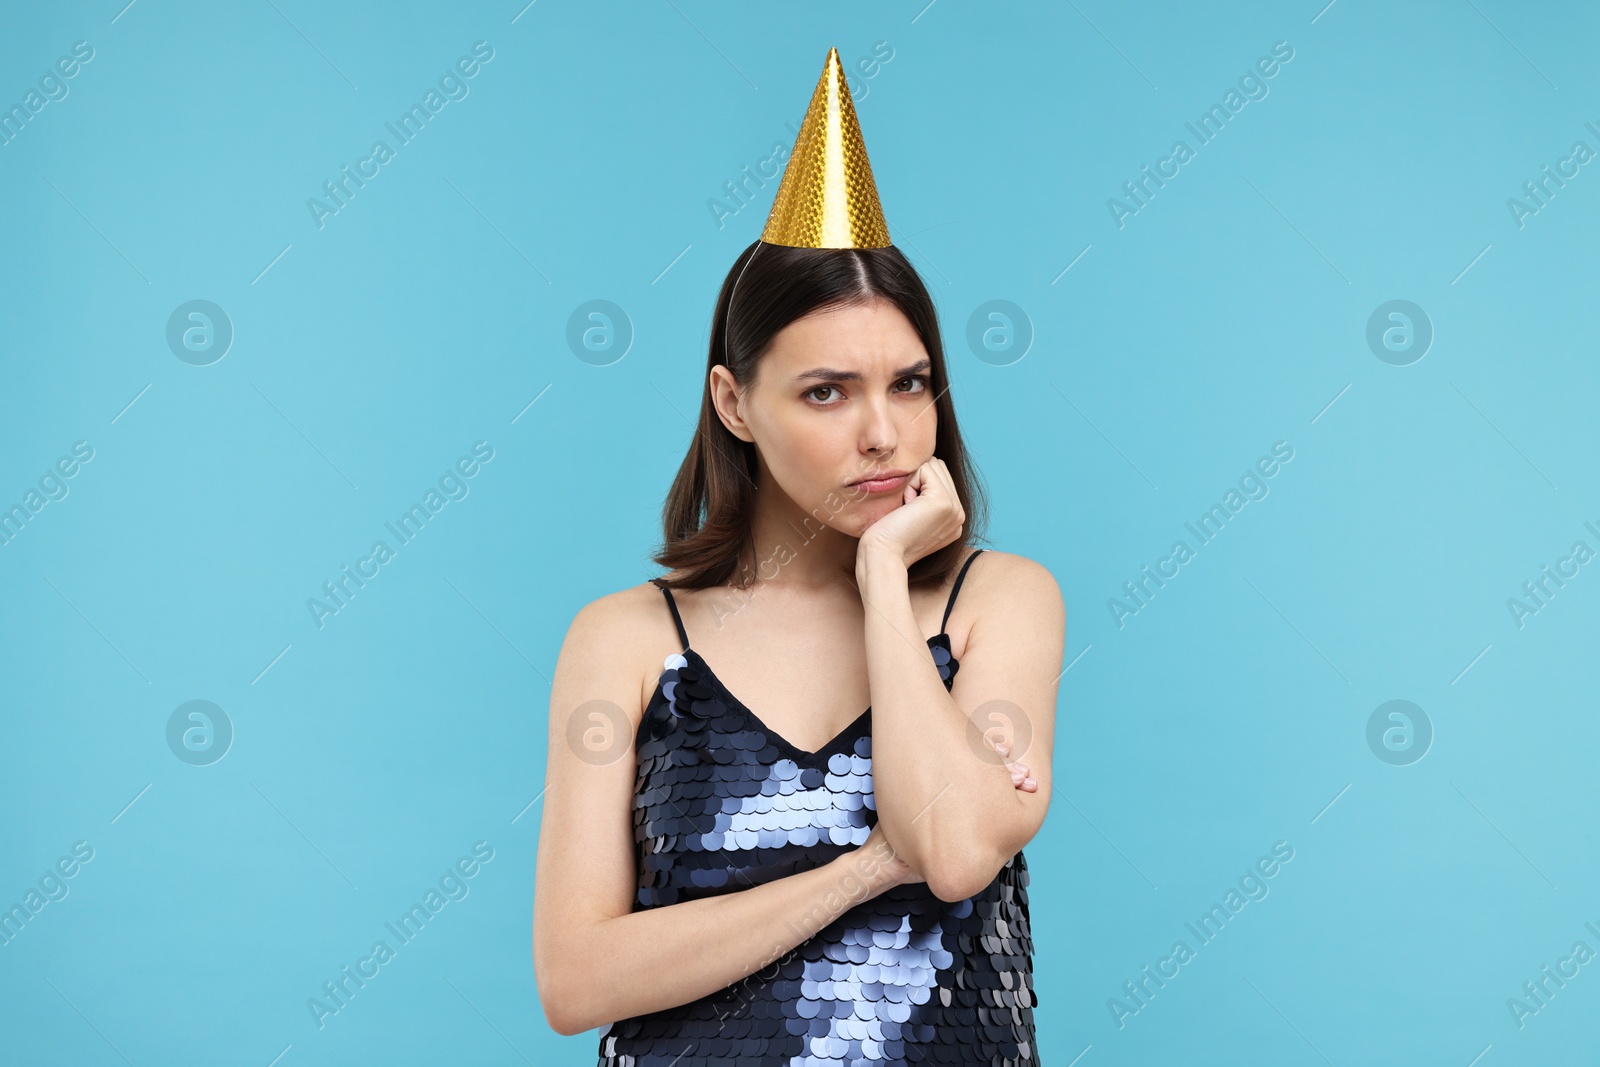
947, 805
595, 959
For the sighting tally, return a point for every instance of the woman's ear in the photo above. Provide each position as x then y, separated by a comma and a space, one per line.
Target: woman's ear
725, 395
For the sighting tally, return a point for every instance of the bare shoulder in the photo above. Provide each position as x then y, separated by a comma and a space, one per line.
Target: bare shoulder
631, 619
1016, 586
631, 612
614, 640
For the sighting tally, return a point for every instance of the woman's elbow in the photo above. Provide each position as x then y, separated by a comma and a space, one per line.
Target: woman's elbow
555, 985
561, 1025
554, 1019
559, 1014
954, 889
955, 878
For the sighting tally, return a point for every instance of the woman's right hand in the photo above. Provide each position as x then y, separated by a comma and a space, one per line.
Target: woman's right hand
890, 870
1020, 776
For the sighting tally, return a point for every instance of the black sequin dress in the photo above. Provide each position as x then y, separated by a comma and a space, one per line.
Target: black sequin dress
722, 803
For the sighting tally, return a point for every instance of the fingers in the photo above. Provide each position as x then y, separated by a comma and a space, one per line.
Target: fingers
934, 472
941, 476
1020, 778
913, 487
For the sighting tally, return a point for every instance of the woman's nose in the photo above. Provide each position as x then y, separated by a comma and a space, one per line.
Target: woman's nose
878, 433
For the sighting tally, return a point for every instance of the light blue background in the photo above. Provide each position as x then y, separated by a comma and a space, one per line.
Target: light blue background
1228, 314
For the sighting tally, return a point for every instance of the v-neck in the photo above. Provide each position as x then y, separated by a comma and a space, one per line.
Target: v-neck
848, 735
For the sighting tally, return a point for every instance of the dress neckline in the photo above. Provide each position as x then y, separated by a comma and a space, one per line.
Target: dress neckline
840, 741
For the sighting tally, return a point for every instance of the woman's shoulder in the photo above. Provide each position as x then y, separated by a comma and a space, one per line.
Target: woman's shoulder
1010, 565
614, 642
1002, 578
623, 608
636, 611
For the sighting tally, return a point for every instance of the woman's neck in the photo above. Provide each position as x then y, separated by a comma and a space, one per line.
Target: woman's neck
796, 547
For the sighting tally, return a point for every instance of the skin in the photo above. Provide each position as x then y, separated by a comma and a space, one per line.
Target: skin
830, 627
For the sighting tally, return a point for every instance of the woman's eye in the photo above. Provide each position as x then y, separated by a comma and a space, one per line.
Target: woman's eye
912, 384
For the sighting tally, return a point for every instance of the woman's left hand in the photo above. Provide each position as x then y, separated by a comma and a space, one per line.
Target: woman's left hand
929, 517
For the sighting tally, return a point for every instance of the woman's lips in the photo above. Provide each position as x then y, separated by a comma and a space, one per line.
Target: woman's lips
882, 485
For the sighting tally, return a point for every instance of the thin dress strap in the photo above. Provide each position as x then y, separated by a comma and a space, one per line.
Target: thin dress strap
676, 618
953, 589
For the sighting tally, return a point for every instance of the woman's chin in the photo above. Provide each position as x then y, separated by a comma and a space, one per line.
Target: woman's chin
862, 516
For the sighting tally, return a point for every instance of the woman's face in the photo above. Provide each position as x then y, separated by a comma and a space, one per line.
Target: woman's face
841, 400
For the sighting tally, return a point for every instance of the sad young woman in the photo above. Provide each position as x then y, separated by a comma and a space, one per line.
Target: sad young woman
737, 863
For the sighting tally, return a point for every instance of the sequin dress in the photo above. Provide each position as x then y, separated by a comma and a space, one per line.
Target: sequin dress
722, 803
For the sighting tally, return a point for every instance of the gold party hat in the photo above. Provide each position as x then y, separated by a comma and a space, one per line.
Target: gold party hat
827, 198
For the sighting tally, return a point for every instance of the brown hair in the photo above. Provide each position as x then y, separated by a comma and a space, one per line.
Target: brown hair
706, 516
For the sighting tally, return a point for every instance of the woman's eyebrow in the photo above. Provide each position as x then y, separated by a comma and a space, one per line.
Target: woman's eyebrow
827, 374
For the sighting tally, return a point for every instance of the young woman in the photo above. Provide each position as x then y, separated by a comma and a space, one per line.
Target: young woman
736, 863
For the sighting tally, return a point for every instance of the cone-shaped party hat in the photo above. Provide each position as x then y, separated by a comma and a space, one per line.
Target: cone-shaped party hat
827, 198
